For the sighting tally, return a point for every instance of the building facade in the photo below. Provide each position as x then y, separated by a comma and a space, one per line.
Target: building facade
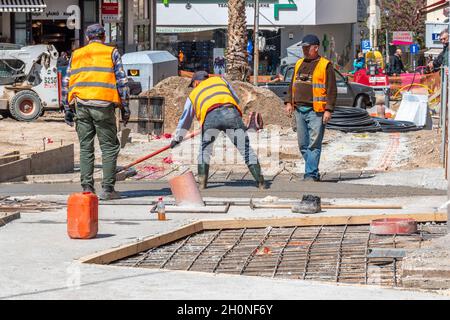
198, 28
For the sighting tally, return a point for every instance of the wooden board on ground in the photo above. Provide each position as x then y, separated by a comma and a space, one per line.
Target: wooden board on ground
9, 157
6, 217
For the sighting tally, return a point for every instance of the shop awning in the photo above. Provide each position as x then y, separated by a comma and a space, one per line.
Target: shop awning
22, 6
183, 29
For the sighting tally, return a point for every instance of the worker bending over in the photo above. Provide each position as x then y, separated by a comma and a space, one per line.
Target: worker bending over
216, 106
94, 85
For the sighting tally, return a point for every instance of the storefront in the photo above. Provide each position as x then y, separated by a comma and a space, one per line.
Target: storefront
182, 25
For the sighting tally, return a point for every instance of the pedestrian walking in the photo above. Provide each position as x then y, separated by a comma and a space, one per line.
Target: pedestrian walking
312, 98
216, 106
94, 85
396, 66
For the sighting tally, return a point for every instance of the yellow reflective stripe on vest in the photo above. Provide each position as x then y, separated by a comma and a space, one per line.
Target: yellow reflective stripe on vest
92, 75
210, 93
318, 84
86, 69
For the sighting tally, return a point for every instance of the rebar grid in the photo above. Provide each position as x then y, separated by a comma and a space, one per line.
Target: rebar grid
321, 253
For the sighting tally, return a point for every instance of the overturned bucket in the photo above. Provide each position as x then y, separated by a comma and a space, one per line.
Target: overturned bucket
185, 190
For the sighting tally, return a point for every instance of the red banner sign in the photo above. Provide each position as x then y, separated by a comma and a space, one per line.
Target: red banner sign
110, 8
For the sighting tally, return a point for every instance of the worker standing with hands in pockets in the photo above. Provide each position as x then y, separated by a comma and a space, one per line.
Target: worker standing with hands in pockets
311, 97
94, 85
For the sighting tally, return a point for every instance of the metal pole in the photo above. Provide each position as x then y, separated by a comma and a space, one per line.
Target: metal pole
256, 44
152, 5
387, 47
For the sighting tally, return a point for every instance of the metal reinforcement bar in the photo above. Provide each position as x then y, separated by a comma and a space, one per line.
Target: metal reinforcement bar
252, 254
174, 252
308, 253
203, 249
238, 240
339, 257
280, 255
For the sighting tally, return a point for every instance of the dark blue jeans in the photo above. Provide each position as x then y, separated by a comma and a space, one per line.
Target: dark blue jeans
310, 131
228, 120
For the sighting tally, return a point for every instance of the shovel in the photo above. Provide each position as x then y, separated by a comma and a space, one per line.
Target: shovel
128, 171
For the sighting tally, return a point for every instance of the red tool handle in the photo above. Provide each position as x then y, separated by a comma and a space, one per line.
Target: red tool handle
151, 155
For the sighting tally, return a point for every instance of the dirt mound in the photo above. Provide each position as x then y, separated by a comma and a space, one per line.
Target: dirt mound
175, 90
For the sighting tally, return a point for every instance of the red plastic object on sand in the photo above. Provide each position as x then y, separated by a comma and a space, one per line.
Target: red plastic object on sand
391, 226
82, 215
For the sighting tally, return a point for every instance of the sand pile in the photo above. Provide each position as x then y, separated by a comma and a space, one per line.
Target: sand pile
175, 90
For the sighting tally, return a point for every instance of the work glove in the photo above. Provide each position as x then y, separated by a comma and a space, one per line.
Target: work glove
68, 117
176, 141
125, 112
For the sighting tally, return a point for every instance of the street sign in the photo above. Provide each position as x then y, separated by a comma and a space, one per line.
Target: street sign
110, 11
365, 45
402, 38
414, 48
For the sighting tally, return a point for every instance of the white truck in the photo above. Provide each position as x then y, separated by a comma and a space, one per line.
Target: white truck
29, 82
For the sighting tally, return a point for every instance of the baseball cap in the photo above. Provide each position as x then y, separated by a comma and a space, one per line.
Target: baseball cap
309, 40
199, 76
95, 31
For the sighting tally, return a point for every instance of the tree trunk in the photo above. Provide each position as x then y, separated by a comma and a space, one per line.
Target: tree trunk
236, 55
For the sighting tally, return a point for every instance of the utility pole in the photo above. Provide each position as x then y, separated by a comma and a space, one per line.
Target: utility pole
152, 26
373, 22
256, 44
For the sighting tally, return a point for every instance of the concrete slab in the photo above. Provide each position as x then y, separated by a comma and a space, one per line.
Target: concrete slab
430, 178
45, 266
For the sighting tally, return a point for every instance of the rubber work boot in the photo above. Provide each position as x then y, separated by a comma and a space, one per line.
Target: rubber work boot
203, 174
255, 170
87, 188
109, 193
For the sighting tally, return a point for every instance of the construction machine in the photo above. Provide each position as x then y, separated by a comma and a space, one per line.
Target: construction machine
29, 82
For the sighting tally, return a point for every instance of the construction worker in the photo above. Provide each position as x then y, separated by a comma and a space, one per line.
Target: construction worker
312, 97
216, 106
94, 85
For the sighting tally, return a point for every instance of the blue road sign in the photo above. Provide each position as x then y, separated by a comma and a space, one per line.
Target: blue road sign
365, 45
414, 48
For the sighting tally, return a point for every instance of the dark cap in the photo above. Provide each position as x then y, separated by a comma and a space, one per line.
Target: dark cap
95, 31
199, 76
310, 40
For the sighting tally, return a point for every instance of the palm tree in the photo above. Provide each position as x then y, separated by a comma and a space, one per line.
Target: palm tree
236, 55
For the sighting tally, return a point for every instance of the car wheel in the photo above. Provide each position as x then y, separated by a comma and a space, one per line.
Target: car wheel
25, 106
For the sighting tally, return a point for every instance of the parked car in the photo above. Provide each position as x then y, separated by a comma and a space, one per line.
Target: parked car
350, 94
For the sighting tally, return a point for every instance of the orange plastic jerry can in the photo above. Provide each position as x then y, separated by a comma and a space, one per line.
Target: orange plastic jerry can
82, 215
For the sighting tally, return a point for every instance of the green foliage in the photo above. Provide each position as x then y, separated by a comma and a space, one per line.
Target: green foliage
403, 16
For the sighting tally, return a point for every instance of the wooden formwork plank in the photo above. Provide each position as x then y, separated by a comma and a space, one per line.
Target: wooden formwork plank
54, 161
9, 157
14, 170
8, 217
317, 221
127, 250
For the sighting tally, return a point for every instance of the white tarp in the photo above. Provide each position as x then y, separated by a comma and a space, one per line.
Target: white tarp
413, 108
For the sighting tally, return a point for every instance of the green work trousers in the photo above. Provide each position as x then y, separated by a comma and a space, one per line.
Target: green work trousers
101, 121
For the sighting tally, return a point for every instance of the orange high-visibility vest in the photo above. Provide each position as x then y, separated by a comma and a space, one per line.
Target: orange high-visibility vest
209, 94
92, 74
319, 78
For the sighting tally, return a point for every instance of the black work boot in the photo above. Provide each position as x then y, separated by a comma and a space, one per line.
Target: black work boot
109, 193
203, 173
255, 170
88, 188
